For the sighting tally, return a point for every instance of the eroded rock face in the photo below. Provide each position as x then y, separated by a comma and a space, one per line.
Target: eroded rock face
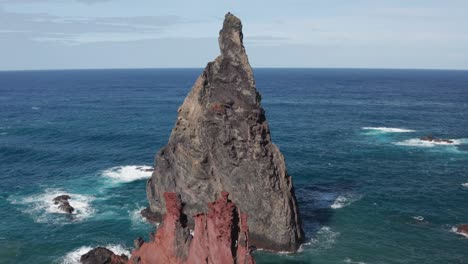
221, 141
220, 236
101, 255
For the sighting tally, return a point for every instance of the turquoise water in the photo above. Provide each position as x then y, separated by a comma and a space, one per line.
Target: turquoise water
369, 191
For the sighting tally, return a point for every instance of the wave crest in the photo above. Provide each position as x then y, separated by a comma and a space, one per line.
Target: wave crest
389, 129
416, 142
343, 201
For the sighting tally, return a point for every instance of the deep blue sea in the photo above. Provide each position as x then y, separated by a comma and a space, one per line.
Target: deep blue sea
369, 191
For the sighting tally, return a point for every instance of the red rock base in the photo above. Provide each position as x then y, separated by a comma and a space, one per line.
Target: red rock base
220, 236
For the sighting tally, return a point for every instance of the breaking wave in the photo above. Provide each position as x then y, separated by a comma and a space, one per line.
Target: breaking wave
74, 256
344, 200
137, 219
416, 142
123, 174
43, 210
465, 184
389, 129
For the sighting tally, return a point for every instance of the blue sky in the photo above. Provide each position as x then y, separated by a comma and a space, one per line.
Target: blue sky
72, 34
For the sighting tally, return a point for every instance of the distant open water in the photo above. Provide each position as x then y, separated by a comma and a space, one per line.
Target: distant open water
369, 191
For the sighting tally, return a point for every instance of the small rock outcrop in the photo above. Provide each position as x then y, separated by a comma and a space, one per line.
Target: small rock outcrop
220, 236
431, 138
63, 204
221, 141
463, 230
101, 255
150, 216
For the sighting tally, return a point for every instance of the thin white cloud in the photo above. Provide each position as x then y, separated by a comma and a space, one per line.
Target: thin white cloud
45, 27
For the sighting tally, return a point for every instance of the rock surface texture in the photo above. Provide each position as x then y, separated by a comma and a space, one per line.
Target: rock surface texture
63, 204
220, 236
221, 141
101, 255
463, 230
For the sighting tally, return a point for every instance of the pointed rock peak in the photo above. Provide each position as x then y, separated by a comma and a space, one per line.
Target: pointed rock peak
230, 36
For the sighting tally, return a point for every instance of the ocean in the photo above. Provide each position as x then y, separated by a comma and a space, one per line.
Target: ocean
369, 191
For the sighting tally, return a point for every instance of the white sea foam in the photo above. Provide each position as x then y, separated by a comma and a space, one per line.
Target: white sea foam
389, 129
136, 217
43, 210
323, 239
74, 256
348, 260
35, 108
465, 184
125, 174
416, 142
344, 200
454, 229
418, 218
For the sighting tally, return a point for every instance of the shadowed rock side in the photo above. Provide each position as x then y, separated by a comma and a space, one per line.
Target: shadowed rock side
220, 236
221, 141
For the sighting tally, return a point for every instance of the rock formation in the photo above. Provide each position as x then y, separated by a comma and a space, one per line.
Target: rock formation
431, 138
64, 205
220, 236
101, 255
221, 141
463, 230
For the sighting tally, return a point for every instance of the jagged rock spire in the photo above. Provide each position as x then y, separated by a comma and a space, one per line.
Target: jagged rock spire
221, 141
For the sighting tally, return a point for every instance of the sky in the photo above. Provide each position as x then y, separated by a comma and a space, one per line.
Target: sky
91, 34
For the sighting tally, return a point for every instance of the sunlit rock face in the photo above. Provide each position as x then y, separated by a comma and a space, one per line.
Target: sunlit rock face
221, 142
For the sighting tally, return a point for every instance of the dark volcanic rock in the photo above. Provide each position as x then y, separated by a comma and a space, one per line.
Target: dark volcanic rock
150, 216
220, 236
221, 141
61, 199
101, 255
64, 205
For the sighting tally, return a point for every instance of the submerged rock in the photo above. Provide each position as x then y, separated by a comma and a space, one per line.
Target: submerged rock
431, 138
101, 255
220, 236
221, 141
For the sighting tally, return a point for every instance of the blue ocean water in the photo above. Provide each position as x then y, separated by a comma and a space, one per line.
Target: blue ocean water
369, 191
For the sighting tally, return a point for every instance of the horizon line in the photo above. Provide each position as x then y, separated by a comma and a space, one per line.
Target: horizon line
187, 68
